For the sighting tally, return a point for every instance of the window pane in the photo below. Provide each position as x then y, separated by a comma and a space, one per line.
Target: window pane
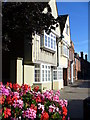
55, 75
54, 44
45, 40
48, 75
51, 43
37, 75
48, 41
42, 66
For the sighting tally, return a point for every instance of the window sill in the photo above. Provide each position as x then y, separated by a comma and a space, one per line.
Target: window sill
41, 82
48, 50
65, 55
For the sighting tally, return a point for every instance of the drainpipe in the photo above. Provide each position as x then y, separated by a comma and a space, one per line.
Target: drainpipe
52, 77
72, 71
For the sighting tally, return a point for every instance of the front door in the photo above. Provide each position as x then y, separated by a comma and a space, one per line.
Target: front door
65, 76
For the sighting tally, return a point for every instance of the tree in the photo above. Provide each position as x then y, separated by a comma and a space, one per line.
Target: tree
21, 18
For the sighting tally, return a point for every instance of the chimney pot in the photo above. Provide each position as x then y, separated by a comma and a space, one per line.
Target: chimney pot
86, 57
82, 55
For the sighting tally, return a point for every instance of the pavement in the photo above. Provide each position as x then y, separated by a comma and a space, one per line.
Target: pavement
75, 94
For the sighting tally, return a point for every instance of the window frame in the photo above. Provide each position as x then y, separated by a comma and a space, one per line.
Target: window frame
59, 71
46, 69
36, 69
50, 42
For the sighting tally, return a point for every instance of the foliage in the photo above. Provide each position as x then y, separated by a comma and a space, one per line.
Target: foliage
24, 18
23, 103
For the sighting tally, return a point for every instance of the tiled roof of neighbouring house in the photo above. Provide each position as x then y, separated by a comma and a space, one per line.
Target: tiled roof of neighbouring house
62, 20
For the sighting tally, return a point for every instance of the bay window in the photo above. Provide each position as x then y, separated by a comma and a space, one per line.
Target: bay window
48, 41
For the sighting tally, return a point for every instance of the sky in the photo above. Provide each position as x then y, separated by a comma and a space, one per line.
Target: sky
78, 12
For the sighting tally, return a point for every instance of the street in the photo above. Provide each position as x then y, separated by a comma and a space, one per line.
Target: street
75, 94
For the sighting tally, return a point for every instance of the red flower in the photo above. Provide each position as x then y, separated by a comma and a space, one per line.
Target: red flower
0, 83
9, 100
64, 118
7, 113
44, 116
38, 99
29, 88
7, 84
36, 88
2, 99
10, 85
16, 86
14, 98
25, 87
33, 107
64, 109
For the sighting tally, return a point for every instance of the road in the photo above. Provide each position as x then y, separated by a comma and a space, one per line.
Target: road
75, 94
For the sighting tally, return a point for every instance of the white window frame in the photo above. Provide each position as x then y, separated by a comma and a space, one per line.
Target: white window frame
59, 72
65, 50
45, 70
37, 68
67, 29
53, 37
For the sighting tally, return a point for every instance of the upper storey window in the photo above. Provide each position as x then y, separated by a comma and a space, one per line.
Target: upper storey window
67, 29
48, 41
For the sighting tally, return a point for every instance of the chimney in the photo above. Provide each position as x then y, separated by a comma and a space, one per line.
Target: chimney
86, 57
82, 55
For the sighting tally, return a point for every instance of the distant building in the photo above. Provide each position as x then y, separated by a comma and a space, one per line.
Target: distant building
77, 66
85, 67
71, 63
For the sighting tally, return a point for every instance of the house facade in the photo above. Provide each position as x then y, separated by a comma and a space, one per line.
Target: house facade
77, 66
64, 45
45, 60
40, 60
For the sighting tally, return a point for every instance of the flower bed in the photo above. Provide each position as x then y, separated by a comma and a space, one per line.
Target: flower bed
22, 103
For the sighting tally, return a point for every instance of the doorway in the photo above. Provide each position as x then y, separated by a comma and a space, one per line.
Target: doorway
65, 76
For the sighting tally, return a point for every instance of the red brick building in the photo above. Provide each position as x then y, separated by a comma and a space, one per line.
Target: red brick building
77, 66
71, 63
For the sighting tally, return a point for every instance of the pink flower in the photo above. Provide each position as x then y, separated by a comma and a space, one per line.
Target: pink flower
48, 94
56, 98
61, 103
5, 91
41, 107
30, 113
16, 94
20, 103
15, 104
65, 103
57, 93
51, 108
